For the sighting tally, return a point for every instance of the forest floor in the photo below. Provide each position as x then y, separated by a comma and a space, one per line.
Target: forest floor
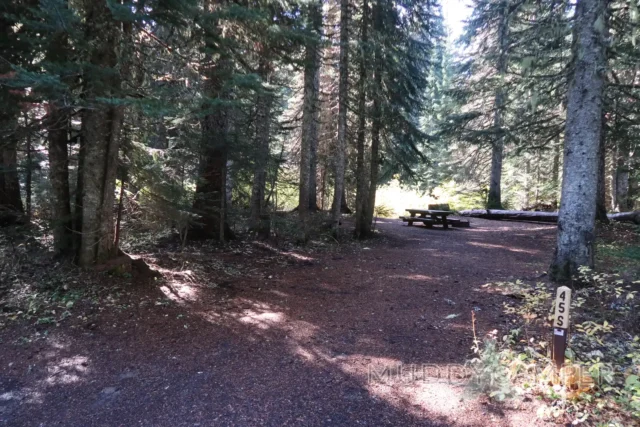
255, 335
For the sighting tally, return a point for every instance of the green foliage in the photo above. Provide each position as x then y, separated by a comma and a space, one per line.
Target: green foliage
489, 374
383, 211
618, 251
599, 382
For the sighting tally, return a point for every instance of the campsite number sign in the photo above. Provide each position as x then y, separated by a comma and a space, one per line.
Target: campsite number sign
563, 300
561, 324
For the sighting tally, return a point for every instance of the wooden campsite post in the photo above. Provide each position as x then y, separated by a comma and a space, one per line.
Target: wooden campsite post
561, 325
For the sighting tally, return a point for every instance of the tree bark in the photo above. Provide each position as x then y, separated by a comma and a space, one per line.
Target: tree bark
494, 200
263, 121
343, 94
29, 172
101, 127
57, 124
313, 172
10, 199
621, 177
362, 181
116, 239
309, 137
376, 121
229, 183
576, 222
77, 206
555, 173
344, 207
11, 208
601, 200
210, 197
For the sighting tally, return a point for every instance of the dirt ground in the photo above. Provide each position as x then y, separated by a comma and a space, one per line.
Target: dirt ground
282, 338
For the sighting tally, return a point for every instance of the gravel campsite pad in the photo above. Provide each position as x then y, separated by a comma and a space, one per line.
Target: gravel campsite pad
282, 338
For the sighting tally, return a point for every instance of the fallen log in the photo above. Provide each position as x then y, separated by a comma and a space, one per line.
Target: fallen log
633, 216
511, 215
540, 216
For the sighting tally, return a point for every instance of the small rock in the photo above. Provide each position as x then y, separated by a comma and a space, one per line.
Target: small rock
109, 391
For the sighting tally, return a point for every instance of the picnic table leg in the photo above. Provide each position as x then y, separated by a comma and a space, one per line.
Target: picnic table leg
445, 225
413, 215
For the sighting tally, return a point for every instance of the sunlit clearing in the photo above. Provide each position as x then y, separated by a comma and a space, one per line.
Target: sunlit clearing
436, 389
506, 248
419, 277
68, 371
287, 254
263, 320
180, 291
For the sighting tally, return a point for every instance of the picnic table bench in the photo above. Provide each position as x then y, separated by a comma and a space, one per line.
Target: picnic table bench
429, 217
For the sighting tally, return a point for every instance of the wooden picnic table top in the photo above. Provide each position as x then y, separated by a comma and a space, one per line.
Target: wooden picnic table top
429, 212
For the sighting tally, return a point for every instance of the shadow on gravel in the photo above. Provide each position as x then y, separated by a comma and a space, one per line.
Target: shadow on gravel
306, 345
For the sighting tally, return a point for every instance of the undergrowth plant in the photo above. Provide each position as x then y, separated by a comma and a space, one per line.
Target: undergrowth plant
489, 375
600, 382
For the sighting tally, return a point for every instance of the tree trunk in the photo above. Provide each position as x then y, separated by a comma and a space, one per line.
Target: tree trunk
29, 171
309, 138
621, 177
116, 239
101, 127
263, 121
362, 182
313, 172
343, 94
210, 197
344, 207
77, 207
576, 222
527, 181
229, 183
323, 194
10, 200
57, 125
376, 122
601, 200
207, 203
58, 137
555, 173
494, 200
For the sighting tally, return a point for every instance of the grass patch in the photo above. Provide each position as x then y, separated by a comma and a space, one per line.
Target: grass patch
631, 252
623, 259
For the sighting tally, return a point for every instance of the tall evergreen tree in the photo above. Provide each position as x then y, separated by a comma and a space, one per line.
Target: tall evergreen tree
343, 94
309, 133
576, 235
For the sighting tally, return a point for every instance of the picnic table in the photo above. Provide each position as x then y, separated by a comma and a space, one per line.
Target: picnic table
427, 217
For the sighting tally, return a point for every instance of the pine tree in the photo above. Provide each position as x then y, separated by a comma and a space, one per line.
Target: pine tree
343, 94
362, 189
309, 132
576, 235
15, 54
